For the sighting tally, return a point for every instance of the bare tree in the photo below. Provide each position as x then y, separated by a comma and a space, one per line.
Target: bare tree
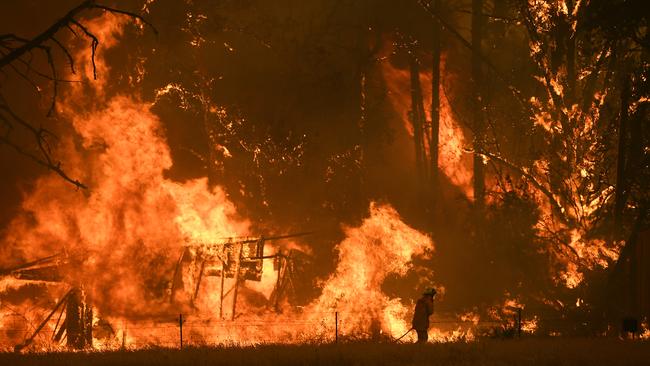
16, 55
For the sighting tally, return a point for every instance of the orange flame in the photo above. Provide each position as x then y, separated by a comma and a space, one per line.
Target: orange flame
124, 235
453, 161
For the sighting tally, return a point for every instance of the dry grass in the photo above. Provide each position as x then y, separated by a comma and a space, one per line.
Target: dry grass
493, 352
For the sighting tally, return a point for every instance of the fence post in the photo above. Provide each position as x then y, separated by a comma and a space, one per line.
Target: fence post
180, 324
123, 334
336, 326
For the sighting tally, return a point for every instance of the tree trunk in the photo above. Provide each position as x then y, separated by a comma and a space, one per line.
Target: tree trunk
477, 105
619, 199
78, 321
238, 250
570, 56
498, 27
435, 101
417, 115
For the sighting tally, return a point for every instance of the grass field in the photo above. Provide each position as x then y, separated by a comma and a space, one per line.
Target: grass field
556, 351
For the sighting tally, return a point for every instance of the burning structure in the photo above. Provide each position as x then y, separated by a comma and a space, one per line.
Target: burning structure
241, 260
519, 147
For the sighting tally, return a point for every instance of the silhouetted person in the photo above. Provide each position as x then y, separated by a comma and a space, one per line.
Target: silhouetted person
423, 310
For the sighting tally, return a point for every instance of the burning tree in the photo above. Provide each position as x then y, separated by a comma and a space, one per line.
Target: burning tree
582, 174
555, 167
574, 167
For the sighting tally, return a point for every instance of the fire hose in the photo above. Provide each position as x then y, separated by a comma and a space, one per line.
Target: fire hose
404, 335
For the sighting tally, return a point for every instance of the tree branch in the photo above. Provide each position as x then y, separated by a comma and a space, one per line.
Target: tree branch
54, 167
46, 35
15, 48
554, 204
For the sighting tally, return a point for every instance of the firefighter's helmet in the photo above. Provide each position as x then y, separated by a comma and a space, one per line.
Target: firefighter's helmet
430, 292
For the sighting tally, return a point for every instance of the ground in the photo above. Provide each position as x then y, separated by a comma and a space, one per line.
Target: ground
555, 351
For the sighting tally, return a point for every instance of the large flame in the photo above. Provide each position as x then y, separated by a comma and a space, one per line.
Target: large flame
383, 245
124, 235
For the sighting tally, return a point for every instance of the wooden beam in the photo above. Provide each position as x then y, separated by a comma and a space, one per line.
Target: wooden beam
29, 340
198, 282
240, 248
223, 276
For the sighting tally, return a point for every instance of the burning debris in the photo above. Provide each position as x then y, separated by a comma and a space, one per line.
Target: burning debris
238, 259
382, 236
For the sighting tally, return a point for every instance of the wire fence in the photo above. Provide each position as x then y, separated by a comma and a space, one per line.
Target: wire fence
314, 327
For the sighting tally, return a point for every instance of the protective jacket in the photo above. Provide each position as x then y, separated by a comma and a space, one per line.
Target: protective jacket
423, 310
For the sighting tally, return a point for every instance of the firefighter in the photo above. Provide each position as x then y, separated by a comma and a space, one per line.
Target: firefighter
423, 310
